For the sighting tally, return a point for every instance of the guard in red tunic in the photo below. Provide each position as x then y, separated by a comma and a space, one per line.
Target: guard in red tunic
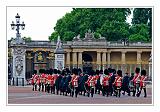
91, 83
34, 80
74, 83
105, 83
97, 85
143, 83
118, 83
38, 82
136, 81
43, 79
54, 78
49, 79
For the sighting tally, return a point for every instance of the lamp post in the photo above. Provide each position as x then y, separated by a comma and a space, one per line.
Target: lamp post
17, 26
18, 53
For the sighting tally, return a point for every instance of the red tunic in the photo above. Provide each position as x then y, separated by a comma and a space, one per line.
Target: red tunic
136, 78
74, 81
142, 81
43, 78
38, 80
96, 78
105, 81
55, 77
118, 81
91, 81
52, 80
49, 78
34, 78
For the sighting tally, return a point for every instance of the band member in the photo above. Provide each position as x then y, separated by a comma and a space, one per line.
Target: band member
68, 79
43, 79
105, 83
118, 83
38, 82
34, 80
136, 81
54, 78
112, 74
91, 83
58, 81
97, 82
62, 83
125, 84
49, 79
143, 83
74, 82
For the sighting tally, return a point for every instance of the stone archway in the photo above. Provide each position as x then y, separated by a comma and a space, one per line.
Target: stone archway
87, 62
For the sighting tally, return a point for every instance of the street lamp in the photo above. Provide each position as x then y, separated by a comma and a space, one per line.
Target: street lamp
17, 26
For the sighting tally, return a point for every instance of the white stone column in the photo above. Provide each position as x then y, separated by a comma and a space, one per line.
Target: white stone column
139, 59
104, 60
74, 59
68, 60
99, 60
80, 60
109, 58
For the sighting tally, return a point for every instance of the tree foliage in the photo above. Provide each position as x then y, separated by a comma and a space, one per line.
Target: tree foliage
143, 16
109, 22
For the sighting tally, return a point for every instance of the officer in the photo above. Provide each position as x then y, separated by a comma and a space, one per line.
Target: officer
136, 81
143, 83
105, 83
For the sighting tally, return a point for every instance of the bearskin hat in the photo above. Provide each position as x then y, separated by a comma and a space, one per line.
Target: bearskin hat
143, 72
106, 72
137, 70
119, 72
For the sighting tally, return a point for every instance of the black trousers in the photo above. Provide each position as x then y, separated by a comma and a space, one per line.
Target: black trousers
136, 89
118, 91
75, 90
145, 93
90, 91
105, 90
34, 87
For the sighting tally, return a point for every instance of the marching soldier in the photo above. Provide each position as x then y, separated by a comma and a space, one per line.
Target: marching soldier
136, 81
105, 83
118, 83
97, 82
58, 81
34, 80
49, 79
91, 83
43, 79
74, 82
125, 84
143, 83
54, 78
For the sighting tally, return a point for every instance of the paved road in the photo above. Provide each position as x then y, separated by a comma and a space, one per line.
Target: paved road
24, 95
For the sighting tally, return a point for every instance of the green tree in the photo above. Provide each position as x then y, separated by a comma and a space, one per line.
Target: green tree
109, 22
139, 32
143, 16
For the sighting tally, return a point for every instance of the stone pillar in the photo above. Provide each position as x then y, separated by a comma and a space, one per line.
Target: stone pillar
68, 60
139, 59
19, 62
104, 60
123, 61
74, 59
80, 60
59, 55
109, 58
99, 60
